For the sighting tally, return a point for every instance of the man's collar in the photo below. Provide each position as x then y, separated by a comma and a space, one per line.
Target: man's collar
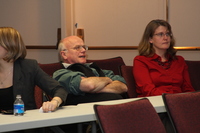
66, 65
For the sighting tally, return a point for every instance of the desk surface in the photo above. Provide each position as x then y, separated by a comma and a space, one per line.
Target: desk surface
156, 101
64, 115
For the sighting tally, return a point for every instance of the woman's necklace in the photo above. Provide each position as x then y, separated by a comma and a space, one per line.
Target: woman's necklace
164, 65
2, 81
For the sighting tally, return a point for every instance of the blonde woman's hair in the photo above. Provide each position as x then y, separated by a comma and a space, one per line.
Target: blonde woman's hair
11, 40
145, 47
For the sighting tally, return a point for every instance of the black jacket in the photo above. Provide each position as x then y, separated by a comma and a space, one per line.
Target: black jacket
27, 74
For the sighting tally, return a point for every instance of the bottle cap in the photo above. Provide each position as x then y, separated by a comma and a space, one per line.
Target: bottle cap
18, 96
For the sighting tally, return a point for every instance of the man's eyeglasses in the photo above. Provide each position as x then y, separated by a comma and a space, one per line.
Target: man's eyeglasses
78, 47
164, 34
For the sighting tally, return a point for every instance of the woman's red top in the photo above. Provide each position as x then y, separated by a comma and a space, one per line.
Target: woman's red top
154, 77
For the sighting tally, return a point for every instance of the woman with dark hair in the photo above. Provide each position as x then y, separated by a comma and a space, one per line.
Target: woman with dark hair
157, 69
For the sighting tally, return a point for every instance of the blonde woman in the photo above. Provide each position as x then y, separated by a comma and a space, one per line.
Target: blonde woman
19, 75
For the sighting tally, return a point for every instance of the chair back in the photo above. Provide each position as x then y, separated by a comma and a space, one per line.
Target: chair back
38, 94
184, 111
194, 72
126, 72
51, 67
109, 64
132, 117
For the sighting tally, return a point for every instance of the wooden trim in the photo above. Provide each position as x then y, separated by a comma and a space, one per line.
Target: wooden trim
111, 47
167, 10
41, 47
187, 48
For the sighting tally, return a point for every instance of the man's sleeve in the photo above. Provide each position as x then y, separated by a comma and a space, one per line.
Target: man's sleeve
69, 80
110, 74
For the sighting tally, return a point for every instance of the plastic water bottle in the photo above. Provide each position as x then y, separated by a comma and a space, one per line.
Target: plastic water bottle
18, 106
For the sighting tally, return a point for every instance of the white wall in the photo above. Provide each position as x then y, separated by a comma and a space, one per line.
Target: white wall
121, 23
184, 18
38, 20
43, 56
115, 22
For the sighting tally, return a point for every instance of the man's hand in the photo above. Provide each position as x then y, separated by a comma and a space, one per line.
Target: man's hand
51, 105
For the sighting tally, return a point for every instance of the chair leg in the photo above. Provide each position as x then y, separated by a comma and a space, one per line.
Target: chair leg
80, 128
94, 128
57, 129
91, 128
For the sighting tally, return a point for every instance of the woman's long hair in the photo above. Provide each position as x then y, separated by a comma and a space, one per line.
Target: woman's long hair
145, 47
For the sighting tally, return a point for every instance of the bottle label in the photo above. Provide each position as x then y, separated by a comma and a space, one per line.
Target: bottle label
19, 108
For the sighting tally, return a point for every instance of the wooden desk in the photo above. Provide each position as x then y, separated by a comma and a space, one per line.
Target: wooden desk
64, 115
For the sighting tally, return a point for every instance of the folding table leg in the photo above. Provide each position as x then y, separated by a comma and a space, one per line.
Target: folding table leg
80, 128
94, 128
